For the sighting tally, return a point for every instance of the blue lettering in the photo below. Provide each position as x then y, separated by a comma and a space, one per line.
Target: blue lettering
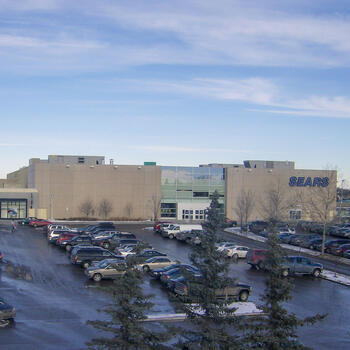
325, 182
300, 181
308, 182
317, 182
292, 181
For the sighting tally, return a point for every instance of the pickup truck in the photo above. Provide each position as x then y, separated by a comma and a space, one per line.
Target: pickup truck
237, 292
300, 265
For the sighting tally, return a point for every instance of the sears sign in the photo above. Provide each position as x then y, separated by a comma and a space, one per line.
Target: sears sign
308, 181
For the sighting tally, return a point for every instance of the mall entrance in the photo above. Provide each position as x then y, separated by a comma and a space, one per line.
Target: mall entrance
13, 208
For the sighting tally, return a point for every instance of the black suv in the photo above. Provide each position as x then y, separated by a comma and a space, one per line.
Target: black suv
114, 241
85, 256
78, 240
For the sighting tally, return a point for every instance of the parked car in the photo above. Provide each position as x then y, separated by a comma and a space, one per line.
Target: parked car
340, 250
39, 223
78, 240
237, 292
293, 265
285, 237
159, 225
311, 243
187, 235
256, 258
7, 311
346, 254
146, 254
156, 273
86, 256
172, 230
298, 240
181, 276
106, 269
65, 237
178, 271
236, 252
342, 232
116, 240
26, 221
331, 243
258, 226
155, 263
103, 234
52, 237
221, 246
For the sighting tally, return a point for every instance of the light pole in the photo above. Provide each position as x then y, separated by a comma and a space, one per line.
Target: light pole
51, 205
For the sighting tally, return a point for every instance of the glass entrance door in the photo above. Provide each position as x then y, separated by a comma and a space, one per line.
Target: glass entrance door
13, 209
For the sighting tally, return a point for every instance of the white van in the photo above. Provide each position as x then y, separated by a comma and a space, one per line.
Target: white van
173, 229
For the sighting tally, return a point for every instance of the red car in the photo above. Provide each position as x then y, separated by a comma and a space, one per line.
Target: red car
256, 258
64, 238
39, 223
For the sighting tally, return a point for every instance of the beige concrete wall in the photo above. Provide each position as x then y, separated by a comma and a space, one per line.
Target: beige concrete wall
260, 181
129, 188
18, 178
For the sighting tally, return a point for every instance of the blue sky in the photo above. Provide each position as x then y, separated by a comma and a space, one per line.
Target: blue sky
179, 83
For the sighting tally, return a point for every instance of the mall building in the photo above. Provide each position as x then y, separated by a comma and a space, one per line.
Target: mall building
61, 186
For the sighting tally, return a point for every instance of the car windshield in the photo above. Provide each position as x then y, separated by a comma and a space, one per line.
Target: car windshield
103, 264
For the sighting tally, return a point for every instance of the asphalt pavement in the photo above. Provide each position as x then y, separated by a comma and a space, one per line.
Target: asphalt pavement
54, 299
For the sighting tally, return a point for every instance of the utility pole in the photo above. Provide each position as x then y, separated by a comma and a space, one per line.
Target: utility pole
51, 206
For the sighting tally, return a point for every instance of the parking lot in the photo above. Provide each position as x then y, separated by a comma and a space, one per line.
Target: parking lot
54, 299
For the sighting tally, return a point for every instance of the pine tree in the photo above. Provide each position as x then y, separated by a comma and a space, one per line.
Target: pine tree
126, 315
209, 329
277, 329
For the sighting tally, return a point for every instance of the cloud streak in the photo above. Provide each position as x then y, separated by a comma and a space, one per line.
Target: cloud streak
193, 32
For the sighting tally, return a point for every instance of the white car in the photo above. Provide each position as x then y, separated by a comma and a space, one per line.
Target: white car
236, 252
224, 245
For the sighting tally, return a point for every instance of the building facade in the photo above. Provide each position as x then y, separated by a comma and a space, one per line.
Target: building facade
58, 187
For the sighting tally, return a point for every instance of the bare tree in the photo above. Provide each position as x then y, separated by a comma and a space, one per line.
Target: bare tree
105, 207
275, 203
321, 203
87, 207
155, 206
128, 210
244, 207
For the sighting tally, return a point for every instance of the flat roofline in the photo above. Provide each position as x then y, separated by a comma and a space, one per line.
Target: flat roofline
18, 190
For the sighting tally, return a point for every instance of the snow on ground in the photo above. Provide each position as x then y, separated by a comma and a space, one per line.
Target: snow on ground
242, 309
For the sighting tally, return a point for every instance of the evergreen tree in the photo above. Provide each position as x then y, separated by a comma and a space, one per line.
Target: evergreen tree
209, 328
126, 315
277, 329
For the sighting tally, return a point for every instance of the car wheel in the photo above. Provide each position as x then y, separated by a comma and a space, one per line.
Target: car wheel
243, 296
97, 277
68, 247
285, 273
35, 225
106, 245
188, 240
316, 273
260, 265
146, 268
86, 264
171, 236
235, 257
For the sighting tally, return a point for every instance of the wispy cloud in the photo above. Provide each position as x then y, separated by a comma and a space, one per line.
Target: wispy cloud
256, 91
192, 32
